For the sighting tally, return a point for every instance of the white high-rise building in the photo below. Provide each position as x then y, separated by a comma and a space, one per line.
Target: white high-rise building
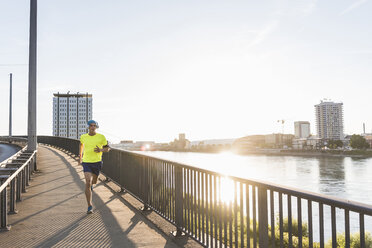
71, 113
329, 120
302, 129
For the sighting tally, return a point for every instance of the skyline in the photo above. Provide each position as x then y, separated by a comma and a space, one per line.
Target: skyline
220, 70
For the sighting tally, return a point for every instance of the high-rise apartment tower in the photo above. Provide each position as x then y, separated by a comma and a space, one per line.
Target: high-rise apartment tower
302, 129
71, 113
329, 120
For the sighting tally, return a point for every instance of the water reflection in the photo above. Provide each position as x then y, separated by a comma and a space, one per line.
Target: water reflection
332, 176
336, 176
346, 178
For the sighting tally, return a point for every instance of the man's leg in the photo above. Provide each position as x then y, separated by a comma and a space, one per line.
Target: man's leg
88, 183
96, 170
95, 178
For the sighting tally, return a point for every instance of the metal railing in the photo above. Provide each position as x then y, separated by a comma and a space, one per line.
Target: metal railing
224, 211
3, 163
15, 173
17, 140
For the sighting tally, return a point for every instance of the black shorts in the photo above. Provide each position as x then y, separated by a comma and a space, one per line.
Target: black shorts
94, 168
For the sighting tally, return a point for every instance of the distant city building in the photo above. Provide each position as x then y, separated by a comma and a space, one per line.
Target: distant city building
302, 129
329, 120
212, 145
212, 142
278, 140
126, 142
311, 142
181, 136
71, 113
144, 145
248, 143
252, 142
140, 145
180, 143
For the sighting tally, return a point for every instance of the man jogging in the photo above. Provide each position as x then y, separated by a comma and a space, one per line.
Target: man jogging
92, 145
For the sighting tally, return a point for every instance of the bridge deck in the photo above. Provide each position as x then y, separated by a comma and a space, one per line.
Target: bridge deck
53, 212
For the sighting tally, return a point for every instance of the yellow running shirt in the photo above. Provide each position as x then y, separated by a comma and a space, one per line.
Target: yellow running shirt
90, 142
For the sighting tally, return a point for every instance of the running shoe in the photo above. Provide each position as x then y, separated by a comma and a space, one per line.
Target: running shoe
90, 210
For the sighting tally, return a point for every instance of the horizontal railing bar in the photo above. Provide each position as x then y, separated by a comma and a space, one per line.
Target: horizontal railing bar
3, 163
5, 184
123, 162
8, 169
328, 200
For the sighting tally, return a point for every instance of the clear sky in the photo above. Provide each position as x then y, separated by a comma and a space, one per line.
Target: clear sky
210, 69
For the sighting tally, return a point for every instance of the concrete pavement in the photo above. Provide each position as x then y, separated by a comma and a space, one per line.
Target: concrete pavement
53, 212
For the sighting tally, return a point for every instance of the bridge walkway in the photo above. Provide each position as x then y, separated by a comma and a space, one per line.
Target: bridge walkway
52, 212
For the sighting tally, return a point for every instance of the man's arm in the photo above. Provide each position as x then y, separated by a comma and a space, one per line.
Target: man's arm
105, 148
81, 153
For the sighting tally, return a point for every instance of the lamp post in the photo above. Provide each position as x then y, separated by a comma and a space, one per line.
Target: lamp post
32, 139
10, 104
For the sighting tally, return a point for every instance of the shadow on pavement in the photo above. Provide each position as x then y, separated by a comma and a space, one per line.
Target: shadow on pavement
102, 221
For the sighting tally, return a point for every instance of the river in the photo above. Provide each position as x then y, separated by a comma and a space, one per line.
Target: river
342, 177
7, 151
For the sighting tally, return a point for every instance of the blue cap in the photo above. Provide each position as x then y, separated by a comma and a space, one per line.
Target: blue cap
93, 122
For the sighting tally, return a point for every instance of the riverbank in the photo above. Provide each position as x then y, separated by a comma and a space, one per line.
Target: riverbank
7, 150
287, 152
325, 153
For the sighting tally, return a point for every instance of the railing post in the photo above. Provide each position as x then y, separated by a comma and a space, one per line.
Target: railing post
19, 187
27, 174
262, 217
12, 200
35, 162
179, 201
32, 164
23, 175
145, 185
29, 168
3, 210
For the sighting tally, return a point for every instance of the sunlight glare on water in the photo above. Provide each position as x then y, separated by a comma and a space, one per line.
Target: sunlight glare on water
347, 178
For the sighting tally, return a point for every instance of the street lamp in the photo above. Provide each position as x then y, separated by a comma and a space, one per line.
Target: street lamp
10, 104
32, 139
